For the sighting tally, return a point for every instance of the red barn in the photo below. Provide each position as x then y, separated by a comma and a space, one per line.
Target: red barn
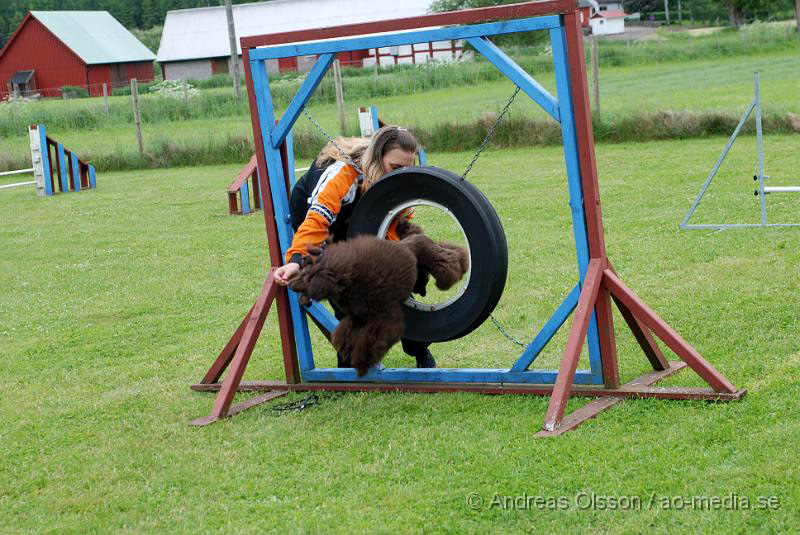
53, 49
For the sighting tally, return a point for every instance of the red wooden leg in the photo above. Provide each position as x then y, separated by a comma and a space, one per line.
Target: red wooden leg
608, 346
661, 329
641, 333
643, 336
256, 193
225, 356
290, 365
572, 351
254, 324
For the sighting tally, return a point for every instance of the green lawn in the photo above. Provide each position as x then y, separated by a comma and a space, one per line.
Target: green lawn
115, 300
727, 85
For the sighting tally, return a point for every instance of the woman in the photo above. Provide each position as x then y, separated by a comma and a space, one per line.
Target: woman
323, 200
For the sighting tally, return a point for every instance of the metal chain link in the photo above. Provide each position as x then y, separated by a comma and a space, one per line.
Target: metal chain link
347, 157
298, 406
504, 332
304, 403
490, 134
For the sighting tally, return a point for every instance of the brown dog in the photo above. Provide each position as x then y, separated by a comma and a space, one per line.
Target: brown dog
368, 278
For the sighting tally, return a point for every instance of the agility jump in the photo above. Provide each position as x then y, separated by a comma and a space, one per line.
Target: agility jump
760, 177
590, 302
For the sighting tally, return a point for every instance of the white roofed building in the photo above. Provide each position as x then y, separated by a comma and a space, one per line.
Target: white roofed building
609, 18
194, 42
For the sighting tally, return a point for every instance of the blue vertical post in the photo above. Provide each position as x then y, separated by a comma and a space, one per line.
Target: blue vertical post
245, 191
373, 112
290, 157
76, 173
423, 157
572, 158
62, 167
280, 201
92, 183
45, 151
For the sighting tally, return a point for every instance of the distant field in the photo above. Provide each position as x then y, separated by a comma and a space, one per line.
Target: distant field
116, 299
727, 85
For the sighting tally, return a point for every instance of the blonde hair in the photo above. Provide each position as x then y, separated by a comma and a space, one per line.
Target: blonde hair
369, 153
354, 147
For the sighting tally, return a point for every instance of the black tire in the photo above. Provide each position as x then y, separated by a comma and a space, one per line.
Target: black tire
485, 236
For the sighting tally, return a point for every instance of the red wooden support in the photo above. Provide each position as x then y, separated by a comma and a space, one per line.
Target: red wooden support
292, 369
638, 388
244, 341
677, 344
572, 351
464, 16
643, 336
248, 172
224, 358
591, 190
84, 174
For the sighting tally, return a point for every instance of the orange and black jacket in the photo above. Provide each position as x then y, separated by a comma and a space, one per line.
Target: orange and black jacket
328, 207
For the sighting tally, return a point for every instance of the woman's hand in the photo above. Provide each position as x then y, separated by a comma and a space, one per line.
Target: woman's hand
284, 274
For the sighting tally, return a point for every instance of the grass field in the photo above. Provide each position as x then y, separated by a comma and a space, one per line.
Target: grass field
727, 87
115, 300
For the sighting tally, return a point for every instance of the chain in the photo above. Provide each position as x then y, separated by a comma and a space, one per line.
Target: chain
303, 404
490, 134
504, 332
347, 157
298, 406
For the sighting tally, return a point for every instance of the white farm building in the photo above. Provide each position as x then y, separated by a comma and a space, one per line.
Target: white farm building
194, 42
609, 18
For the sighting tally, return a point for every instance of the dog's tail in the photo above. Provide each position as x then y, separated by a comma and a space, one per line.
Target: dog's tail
446, 262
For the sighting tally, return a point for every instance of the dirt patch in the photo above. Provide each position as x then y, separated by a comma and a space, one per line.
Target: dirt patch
695, 32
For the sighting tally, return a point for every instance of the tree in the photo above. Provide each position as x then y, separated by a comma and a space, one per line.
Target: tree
797, 13
513, 39
737, 9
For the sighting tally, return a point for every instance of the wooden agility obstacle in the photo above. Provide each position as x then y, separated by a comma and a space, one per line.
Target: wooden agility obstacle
51, 158
239, 191
590, 302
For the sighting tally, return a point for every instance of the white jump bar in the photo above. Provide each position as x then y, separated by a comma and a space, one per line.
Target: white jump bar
17, 184
782, 189
17, 172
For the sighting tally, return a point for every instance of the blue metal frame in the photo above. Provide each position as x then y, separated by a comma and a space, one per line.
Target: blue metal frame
558, 108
